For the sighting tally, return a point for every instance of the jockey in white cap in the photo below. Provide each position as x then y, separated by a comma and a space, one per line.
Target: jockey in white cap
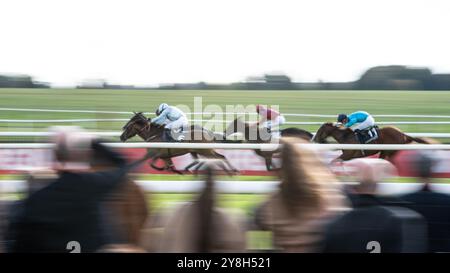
270, 119
173, 118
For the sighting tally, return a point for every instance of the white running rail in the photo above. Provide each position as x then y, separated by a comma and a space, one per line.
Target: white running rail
243, 146
116, 134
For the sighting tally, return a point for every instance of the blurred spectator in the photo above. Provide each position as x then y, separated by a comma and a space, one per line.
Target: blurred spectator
68, 208
369, 172
201, 227
307, 198
5, 207
434, 206
125, 208
393, 229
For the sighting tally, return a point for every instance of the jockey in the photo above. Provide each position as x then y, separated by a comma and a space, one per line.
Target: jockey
357, 121
270, 119
173, 118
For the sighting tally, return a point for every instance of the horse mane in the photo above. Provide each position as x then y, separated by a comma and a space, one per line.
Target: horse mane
141, 115
345, 130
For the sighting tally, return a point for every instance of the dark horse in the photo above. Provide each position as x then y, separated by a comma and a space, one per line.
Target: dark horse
343, 135
149, 132
254, 134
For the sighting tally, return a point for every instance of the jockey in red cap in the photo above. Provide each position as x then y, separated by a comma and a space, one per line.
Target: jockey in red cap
271, 119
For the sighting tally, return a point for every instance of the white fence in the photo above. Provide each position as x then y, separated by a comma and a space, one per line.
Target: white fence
207, 113
243, 146
116, 134
208, 120
200, 114
233, 187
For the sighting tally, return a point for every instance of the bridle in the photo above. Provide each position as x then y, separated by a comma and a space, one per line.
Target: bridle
147, 126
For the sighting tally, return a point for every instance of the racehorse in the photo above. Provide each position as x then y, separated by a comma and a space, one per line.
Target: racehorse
344, 135
149, 132
252, 133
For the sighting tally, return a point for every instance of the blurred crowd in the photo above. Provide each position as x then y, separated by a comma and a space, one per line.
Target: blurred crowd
89, 202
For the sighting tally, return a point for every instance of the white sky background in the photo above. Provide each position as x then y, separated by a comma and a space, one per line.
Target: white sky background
166, 41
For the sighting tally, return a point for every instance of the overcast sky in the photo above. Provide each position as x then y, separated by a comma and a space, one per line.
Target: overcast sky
163, 41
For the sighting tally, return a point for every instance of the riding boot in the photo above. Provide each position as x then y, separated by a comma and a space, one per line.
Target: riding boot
167, 135
359, 136
178, 135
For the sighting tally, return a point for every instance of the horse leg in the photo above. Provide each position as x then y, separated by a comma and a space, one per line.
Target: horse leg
195, 162
343, 157
168, 164
229, 173
156, 167
225, 160
336, 160
268, 161
153, 160
171, 167
191, 165
220, 164
198, 166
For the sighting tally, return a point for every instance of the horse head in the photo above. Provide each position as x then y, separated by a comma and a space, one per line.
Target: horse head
134, 126
324, 131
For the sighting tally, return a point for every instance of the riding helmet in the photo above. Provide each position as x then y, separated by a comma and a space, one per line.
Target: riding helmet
341, 117
162, 107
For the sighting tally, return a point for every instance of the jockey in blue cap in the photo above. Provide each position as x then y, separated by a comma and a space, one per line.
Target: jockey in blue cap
357, 121
173, 118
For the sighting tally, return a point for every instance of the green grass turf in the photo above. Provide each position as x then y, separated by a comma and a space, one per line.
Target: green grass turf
310, 102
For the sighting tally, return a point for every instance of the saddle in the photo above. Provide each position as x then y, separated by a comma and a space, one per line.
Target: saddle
185, 133
174, 135
367, 135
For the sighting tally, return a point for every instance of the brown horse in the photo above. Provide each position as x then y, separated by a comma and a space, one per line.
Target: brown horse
253, 134
149, 132
343, 135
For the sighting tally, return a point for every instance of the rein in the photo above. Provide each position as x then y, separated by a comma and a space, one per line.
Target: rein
146, 127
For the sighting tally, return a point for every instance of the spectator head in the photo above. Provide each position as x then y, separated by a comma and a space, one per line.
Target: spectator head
369, 172
72, 146
302, 177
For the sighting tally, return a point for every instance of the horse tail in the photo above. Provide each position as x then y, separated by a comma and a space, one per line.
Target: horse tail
205, 205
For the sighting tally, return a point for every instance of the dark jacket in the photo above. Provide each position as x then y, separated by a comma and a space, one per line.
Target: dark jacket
394, 229
435, 208
66, 210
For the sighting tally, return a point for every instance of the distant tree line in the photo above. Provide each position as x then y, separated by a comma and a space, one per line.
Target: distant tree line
394, 77
20, 81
